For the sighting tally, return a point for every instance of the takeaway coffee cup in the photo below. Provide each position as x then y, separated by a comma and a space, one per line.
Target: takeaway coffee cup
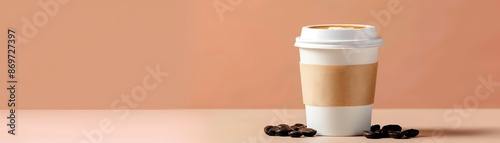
338, 69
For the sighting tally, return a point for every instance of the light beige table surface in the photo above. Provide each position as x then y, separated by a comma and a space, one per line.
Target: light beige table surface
235, 126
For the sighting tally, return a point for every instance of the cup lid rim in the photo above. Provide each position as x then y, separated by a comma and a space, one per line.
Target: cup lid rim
327, 36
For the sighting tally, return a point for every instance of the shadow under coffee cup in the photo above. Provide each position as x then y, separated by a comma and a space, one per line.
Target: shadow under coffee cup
338, 68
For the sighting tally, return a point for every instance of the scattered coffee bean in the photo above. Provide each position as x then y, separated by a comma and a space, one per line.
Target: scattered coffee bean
382, 133
391, 130
370, 134
308, 132
367, 133
285, 127
282, 132
375, 127
392, 127
295, 134
268, 127
395, 134
296, 130
270, 130
300, 125
411, 133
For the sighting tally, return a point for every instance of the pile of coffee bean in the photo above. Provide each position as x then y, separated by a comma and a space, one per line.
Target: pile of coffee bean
295, 131
389, 131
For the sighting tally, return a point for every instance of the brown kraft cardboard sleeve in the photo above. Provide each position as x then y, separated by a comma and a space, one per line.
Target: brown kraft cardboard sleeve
338, 85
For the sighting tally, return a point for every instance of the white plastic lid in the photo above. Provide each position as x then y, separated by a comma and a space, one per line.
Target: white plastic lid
338, 36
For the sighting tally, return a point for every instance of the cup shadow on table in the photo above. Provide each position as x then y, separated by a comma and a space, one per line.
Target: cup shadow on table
426, 132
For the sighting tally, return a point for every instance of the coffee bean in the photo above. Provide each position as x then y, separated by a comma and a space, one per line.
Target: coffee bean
391, 130
382, 133
395, 134
308, 132
282, 132
375, 127
285, 127
268, 127
300, 125
411, 133
271, 131
295, 134
371, 135
296, 130
392, 127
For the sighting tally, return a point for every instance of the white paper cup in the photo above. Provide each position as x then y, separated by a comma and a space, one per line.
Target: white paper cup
338, 45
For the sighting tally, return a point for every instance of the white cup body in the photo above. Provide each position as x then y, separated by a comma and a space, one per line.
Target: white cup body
339, 120
328, 47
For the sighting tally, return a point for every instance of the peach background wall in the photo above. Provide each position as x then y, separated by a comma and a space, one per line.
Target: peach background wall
90, 54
